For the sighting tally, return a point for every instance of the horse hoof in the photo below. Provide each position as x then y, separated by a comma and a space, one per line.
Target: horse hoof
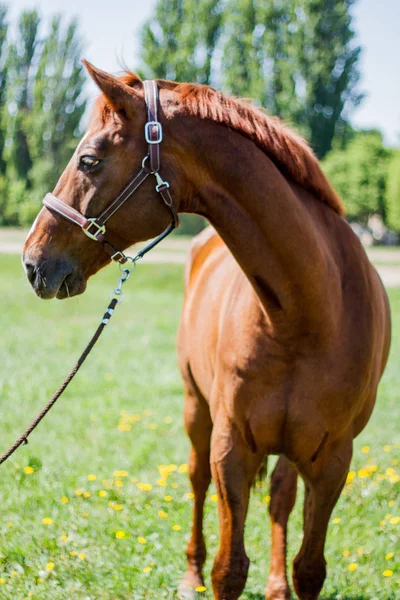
277, 590
187, 590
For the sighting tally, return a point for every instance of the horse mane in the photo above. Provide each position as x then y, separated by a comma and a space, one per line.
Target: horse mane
288, 150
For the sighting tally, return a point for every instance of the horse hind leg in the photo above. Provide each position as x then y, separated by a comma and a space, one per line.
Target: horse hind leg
324, 480
283, 498
198, 426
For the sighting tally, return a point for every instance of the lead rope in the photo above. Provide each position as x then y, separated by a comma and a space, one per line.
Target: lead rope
116, 298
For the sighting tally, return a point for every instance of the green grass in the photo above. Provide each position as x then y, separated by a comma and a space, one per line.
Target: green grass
133, 369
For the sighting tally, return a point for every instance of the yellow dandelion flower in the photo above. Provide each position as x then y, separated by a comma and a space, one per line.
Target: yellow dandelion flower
40, 580
387, 573
267, 499
86, 494
391, 503
152, 426
147, 570
336, 520
176, 527
184, 468
64, 499
73, 553
395, 520
141, 540
382, 523
145, 487
119, 483
346, 553
120, 474
162, 514
175, 485
201, 588
190, 495
9, 525
167, 498
78, 492
82, 555
118, 507
102, 493
29, 470
360, 551
350, 476
362, 473
124, 426
162, 482
85, 515
50, 566
214, 498
353, 567
388, 516
2, 580
387, 448
63, 538
365, 449
167, 420
13, 572
47, 521
120, 534
92, 477
389, 555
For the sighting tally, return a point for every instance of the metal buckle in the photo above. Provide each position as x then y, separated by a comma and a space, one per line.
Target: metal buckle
160, 182
100, 230
147, 132
119, 257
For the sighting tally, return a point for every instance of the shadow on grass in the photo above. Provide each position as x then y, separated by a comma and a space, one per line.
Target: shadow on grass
259, 596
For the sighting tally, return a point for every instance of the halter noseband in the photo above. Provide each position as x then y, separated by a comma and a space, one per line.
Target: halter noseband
94, 227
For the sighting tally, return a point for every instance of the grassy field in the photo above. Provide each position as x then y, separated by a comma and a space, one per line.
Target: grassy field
98, 505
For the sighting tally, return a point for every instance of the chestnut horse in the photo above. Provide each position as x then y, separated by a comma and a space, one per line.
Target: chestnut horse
285, 330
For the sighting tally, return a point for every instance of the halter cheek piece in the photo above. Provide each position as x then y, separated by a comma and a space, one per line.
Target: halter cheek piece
95, 227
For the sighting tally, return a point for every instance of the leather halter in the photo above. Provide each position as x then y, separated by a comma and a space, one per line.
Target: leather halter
94, 227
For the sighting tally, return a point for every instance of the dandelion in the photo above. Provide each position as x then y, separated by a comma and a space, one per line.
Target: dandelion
362, 473
63, 538
141, 540
119, 483
176, 527
175, 485
86, 494
85, 515
387, 573
201, 588
162, 482
389, 555
190, 495
147, 570
353, 567
267, 499
2, 580
350, 476
336, 520
64, 499
167, 498
119, 474
360, 551
50, 566
365, 449
9, 525
73, 553
395, 520
391, 503
120, 534
387, 448
102, 493
184, 468
78, 492
162, 514
214, 498
82, 555
152, 426
346, 553
29, 470
47, 521
92, 477
145, 487
167, 420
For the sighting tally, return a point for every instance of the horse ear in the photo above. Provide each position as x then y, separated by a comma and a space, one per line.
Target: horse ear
121, 96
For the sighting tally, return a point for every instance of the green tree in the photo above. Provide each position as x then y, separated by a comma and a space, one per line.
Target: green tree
359, 173
393, 193
44, 105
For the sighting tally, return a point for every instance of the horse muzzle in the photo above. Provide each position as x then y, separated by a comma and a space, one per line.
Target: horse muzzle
51, 278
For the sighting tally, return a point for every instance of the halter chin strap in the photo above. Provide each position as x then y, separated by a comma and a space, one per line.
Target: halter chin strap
95, 227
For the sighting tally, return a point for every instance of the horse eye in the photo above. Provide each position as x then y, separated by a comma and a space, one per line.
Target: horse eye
88, 162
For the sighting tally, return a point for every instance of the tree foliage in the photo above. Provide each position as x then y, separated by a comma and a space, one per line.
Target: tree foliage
393, 193
359, 173
42, 104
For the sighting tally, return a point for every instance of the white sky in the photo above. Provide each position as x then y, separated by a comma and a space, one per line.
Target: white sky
110, 29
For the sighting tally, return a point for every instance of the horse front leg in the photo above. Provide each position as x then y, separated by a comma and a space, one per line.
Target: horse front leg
198, 426
283, 498
233, 466
324, 480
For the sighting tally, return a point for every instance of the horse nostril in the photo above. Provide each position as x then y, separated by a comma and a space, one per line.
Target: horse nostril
30, 271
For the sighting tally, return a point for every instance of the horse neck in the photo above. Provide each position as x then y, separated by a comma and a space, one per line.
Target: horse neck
277, 237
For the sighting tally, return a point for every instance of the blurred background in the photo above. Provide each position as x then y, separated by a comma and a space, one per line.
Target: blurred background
327, 67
